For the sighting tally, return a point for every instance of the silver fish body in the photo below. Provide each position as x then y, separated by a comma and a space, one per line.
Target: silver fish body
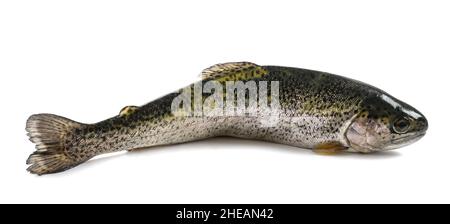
315, 110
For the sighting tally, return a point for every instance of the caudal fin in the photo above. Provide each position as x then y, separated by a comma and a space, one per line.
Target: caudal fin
49, 132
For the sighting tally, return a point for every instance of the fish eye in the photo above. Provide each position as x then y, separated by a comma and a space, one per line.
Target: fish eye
401, 125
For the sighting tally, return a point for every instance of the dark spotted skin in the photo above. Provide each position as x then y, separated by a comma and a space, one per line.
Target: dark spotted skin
316, 108
331, 99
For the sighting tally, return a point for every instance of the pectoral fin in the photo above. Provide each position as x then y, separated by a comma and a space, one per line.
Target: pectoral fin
329, 148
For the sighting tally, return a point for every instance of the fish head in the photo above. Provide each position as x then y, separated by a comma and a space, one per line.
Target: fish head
385, 123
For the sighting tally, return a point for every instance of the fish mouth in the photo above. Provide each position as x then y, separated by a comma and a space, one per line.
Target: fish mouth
412, 138
404, 141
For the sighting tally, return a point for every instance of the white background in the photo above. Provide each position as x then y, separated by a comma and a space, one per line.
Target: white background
87, 59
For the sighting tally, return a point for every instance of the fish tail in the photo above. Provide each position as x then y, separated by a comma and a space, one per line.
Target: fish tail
49, 133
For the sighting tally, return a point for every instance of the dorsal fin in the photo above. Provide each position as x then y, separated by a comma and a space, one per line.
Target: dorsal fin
233, 71
126, 111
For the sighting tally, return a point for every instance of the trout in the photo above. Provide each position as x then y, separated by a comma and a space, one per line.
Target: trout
298, 107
